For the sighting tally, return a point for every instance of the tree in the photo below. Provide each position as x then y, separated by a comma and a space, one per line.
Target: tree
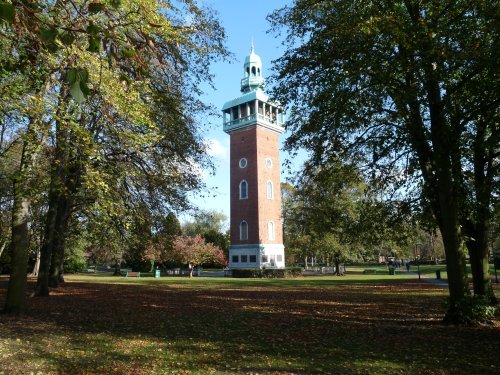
408, 90
205, 221
194, 251
108, 90
334, 214
212, 226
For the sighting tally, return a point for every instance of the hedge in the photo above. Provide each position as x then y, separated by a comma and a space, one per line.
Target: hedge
267, 273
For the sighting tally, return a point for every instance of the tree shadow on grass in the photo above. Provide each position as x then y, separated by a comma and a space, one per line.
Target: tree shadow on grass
308, 327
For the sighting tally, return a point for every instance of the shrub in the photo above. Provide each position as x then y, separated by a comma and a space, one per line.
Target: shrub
75, 263
473, 309
294, 271
246, 272
267, 273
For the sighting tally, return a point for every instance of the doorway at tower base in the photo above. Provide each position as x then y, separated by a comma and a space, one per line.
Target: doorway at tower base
256, 256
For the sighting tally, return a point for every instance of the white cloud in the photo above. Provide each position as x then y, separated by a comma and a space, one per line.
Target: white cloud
216, 149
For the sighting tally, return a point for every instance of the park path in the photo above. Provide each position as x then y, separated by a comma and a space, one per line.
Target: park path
431, 279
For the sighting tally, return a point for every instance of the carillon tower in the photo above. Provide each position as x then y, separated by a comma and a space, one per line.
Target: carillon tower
254, 125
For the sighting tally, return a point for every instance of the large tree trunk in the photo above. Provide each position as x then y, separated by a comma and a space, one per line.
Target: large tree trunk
15, 302
436, 166
338, 271
59, 240
435, 161
477, 244
447, 189
117, 268
56, 198
477, 222
42, 286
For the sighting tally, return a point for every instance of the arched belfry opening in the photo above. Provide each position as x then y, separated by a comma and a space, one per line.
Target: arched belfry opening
254, 124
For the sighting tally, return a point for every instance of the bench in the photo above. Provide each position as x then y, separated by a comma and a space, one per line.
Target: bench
132, 274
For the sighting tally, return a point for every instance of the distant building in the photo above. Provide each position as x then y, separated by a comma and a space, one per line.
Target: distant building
254, 125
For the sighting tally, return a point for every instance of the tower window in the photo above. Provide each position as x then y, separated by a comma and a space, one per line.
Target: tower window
270, 194
243, 230
243, 163
243, 190
253, 70
269, 163
270, 231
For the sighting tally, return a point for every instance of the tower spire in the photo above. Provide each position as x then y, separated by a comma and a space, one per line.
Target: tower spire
252, 79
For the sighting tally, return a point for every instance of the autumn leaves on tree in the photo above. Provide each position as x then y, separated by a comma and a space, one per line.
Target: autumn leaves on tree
105, 92
408, 91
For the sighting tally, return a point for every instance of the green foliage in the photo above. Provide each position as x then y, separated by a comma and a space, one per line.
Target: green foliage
7, 12
96, 7
204, 222
409, 91
115, 128
75, 263
77, 79
471, 310
335, 216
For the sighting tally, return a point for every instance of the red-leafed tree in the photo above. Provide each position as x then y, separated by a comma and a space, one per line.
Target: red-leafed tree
195, 251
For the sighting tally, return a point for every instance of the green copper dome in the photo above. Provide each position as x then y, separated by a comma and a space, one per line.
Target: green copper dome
252, 70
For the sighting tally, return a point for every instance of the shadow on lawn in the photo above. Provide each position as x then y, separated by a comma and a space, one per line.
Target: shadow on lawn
308, 327
221, 282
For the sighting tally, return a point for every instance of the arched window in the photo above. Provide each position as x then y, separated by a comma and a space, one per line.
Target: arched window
270, 193
258, 72
243, 189
253, 70
243, 230
270, 230
248, 71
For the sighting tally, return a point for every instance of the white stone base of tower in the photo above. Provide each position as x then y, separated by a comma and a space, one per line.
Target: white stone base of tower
257, 256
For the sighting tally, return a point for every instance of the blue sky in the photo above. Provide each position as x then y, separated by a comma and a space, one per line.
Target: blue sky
242, 20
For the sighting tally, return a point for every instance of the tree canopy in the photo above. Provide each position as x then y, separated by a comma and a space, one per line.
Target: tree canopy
408, 90
106, 94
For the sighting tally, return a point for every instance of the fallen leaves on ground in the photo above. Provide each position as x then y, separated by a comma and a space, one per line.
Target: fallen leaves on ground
380, 327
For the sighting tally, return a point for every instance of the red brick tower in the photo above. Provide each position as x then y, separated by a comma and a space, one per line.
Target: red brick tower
254, 125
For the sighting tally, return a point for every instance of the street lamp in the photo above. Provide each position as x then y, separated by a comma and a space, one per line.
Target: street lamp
417, 257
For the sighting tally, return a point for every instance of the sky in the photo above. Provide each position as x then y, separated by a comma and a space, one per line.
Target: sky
243, 21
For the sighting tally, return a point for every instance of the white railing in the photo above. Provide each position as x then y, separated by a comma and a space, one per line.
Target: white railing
251, 81
252, 118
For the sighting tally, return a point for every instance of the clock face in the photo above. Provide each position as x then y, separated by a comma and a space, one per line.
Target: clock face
243, 163
269, 163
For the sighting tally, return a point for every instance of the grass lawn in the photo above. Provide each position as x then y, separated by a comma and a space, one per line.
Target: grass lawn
426, 270
356, 324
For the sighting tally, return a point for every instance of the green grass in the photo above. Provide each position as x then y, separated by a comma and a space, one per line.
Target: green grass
426, 270
355, 324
